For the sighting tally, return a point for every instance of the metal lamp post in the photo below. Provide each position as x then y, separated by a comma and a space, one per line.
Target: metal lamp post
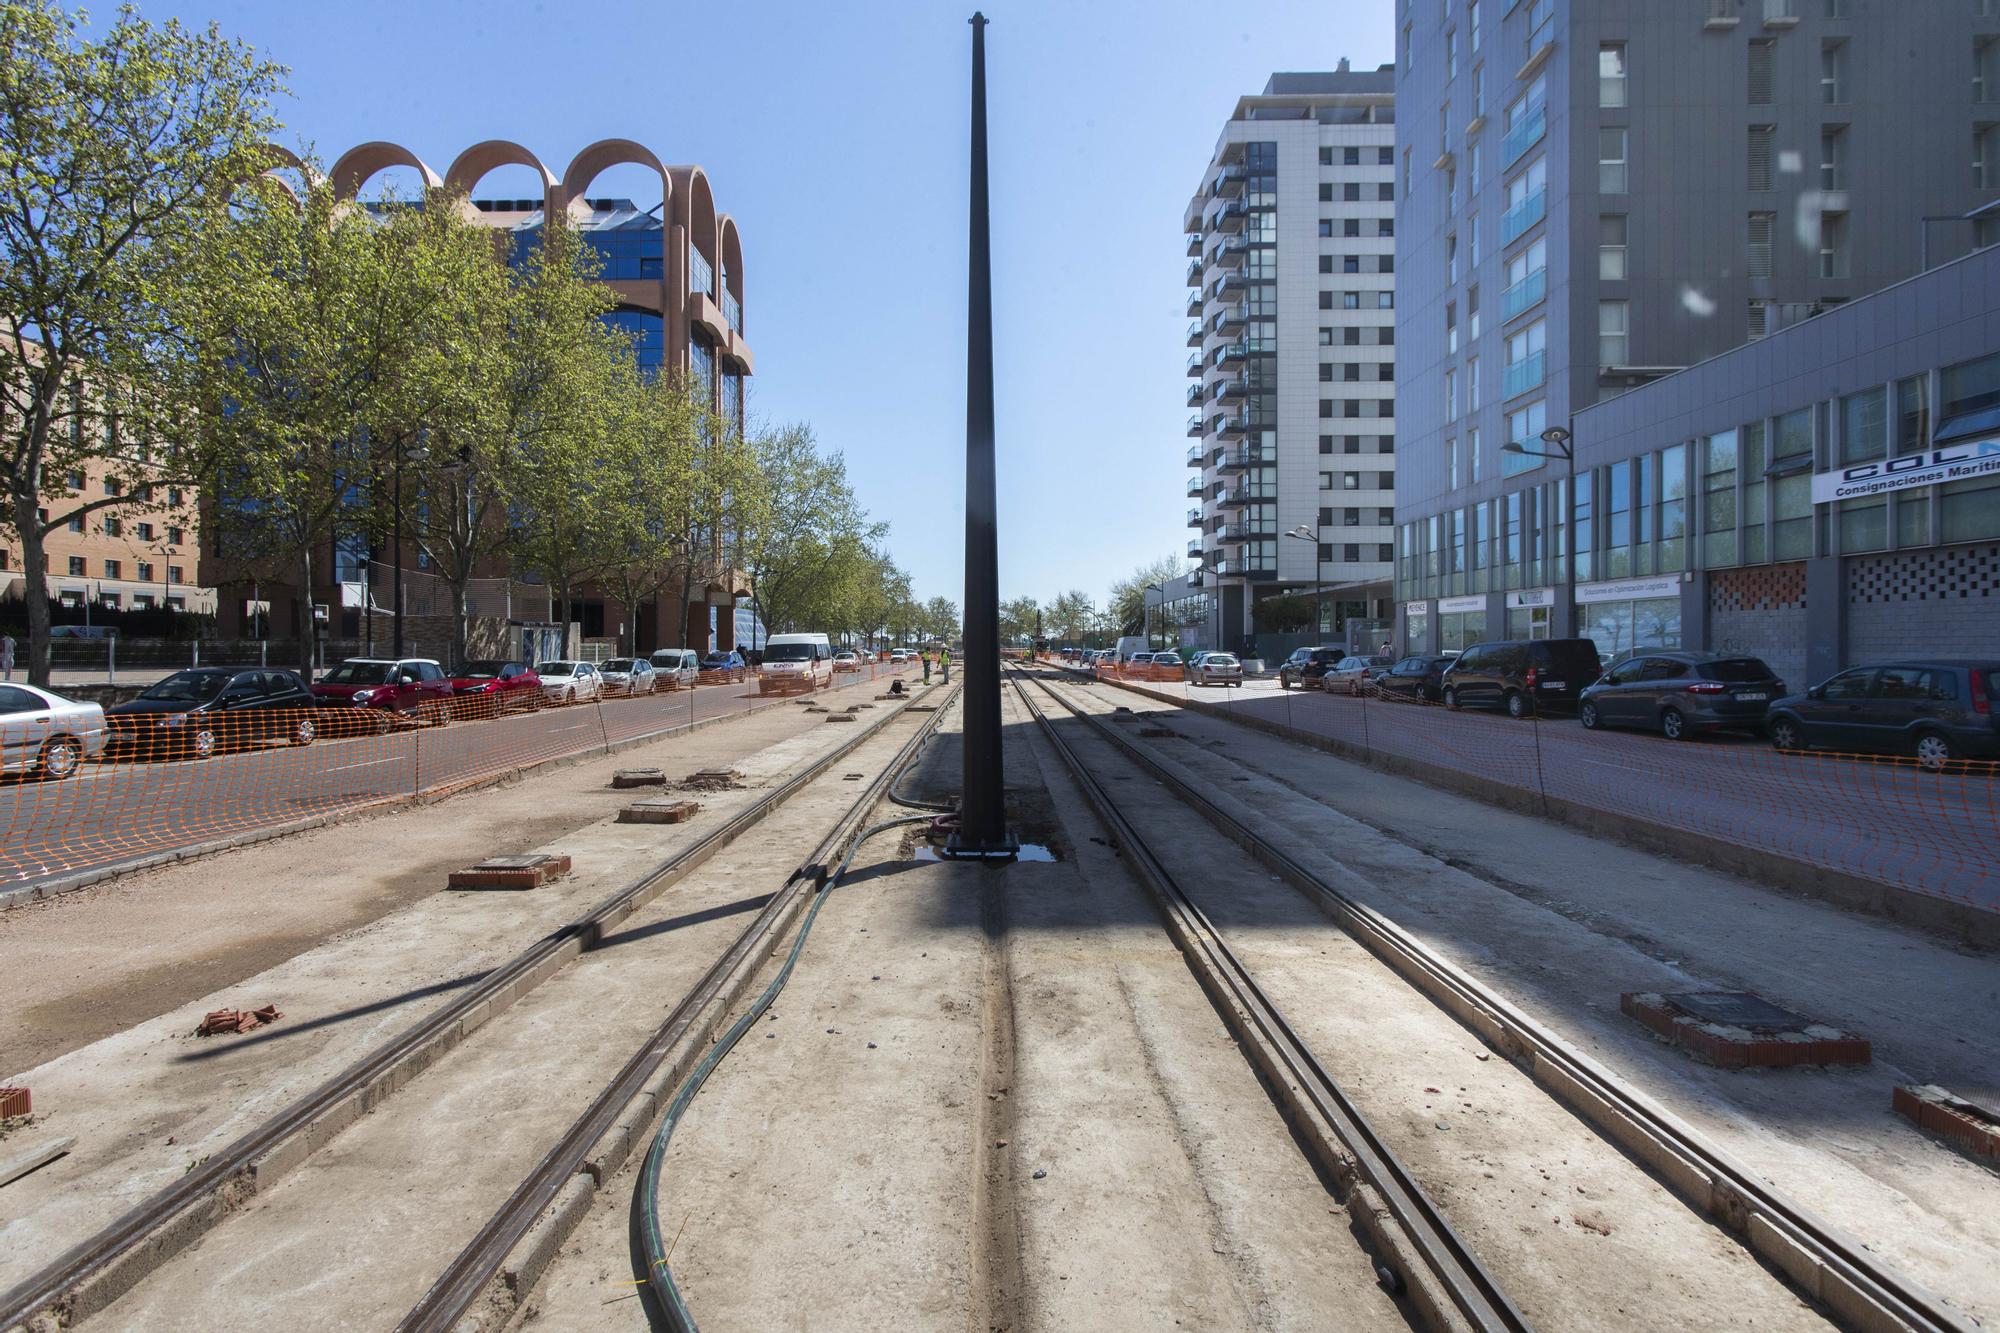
167, 554
1559, 438
1306, 534
1151, 587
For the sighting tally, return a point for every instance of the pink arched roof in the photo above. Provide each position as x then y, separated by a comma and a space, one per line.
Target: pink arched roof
358, 164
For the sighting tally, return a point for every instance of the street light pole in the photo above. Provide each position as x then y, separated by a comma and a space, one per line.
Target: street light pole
396, 540
982, 813
1306, 534
1147, 606
1560, 438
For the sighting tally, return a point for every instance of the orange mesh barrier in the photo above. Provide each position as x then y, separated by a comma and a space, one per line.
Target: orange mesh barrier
161, 789
1874, 816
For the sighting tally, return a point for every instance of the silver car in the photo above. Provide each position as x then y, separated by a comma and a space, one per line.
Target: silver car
627, 675
46, 734
676, 668
1354, 675
1215, 669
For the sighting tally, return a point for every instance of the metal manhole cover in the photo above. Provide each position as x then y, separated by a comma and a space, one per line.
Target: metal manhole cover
1737, 1009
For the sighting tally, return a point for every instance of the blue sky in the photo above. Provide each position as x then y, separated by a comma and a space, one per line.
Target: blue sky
836, 135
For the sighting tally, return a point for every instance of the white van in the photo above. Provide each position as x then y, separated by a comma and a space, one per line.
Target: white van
1127, 647
795, 663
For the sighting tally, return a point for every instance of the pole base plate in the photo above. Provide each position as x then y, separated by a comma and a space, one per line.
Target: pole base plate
956, 848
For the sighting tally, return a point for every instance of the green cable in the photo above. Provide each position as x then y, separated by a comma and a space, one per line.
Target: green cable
658, 1275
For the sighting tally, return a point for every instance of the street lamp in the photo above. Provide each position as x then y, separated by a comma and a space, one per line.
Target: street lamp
1558, 438
1306, 534
1151, 587
167, 554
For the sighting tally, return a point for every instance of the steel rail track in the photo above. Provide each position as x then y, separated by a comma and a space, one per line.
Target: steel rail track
1829, 1266
467, 1279
1436, 1268
93, 1273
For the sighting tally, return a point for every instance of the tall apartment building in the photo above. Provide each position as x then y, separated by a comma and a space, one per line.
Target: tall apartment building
1291, 265
1595, 195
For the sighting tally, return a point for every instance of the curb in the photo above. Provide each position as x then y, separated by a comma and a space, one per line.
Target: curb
1966, 924
43, 890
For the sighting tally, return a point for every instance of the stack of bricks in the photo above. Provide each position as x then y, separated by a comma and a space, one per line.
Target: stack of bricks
237, 1020
15, 1101
1969, 1128
1727, 1046
511, 872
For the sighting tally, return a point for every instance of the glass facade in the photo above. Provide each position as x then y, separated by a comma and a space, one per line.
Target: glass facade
648, 334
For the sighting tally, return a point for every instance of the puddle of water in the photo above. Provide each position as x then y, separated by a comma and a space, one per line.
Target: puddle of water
1030, 851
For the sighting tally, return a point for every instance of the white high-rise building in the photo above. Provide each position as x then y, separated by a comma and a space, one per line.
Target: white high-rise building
1291, 246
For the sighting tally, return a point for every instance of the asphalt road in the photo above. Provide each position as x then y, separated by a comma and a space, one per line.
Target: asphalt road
1880, 819
122, 810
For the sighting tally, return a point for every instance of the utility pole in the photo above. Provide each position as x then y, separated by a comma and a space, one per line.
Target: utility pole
982, 813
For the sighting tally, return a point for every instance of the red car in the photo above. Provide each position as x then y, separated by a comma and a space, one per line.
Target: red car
374, 694
488, 689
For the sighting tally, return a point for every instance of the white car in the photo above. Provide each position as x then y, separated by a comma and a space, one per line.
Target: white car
1354, 675
1215, 669
569, 682
847, 660
629, 676
898, 656
676, 668
46, 734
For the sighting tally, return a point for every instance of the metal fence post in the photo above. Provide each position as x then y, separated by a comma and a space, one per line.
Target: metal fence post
111, 660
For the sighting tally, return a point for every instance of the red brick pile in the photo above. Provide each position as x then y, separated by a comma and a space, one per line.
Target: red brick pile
237, 1020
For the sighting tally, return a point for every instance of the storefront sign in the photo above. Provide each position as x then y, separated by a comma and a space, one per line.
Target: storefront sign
1954, 462
1416, 608
1629, 590
1451, 605
1532, 597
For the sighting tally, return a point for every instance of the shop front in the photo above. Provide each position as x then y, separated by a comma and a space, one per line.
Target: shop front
1631, 613
1461, 622
1529, 612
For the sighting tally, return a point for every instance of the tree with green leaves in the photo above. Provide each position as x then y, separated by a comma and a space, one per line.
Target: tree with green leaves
1128, 595
112, 147
1019, 619
941, 619
805, 522
1070, 616
649, 474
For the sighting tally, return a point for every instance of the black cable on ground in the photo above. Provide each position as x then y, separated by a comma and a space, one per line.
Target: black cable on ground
659, 1276
910, 803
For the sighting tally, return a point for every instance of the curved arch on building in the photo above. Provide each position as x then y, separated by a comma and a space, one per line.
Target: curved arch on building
472, 165
732, 256
599, 157
694, 208
358, 164
279, 158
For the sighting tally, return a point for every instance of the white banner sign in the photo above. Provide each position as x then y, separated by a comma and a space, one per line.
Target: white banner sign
1451, 605
1625, 590
1532, 597
1416, 608
1953, 462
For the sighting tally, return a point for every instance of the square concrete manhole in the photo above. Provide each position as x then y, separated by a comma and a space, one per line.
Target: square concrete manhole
527, 870
1741, 1030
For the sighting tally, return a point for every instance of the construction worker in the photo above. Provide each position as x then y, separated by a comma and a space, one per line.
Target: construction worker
944, 660
925, 653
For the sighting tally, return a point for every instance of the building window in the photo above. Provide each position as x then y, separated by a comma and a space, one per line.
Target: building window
1451, 464
1350, 481
1833, 157
1525, 425
1350, 300
1718, 500
145, 571
77, 566
1833, 245
1763, 59
178, 574
1472, 24
1472, 312
1757, 244
1760, 156
76, 523
1985, 69
1450, 328
1833, 71
1349, 263
1613, 333
1350, 518
74, 479
1472, 172
1611, 74
1611, 173
1985, 161
1472, 455
1451, 395
114, 527
1478, 88
112, 569
173, 535
1451, 55
1913, 415
1471, 385
111, 486
1385, 300
1864, 426
1326, 157
1527, 360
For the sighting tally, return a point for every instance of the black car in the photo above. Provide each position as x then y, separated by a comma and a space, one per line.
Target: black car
1419, 678
1521, 676
204, 709
1304, 668
1936, 711
1680, 693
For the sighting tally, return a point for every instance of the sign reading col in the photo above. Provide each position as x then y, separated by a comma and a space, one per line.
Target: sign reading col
1952, 462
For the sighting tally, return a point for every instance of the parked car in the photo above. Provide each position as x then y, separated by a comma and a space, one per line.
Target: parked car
1215, 669
205, 709
676, 668
795, 663
629, 676
47, 735
898, 656
724, 666
1937, 711
387, 690
1305, 666
847, 660
569, 682
1420, 678
1521, 675
1680, 693
1353, 675
490, 688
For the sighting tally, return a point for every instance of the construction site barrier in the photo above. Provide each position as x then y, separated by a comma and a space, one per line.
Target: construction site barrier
218, 776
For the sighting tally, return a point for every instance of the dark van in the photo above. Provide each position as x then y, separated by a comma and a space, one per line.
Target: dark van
1522, 676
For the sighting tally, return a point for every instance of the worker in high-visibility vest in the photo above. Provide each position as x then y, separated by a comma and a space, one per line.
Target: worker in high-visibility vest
925, 654
944, 660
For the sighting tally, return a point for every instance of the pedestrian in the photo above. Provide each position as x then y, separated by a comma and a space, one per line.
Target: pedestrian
925, 653
6, 656
944, 660
1385, 647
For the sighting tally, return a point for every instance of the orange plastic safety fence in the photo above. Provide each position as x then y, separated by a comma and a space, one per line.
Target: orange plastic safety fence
164, 787
1876, 817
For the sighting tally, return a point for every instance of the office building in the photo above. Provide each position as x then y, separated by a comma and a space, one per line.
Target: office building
132, 556
1292, 368
1599, 195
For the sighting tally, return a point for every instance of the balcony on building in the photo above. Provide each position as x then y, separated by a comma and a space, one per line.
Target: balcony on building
1194, 274
1523, 136
1524, 295
1233, 427
1196, 578
1229, 389
1194, 364
1242, 531
1248, 493
1195, 548
1229, 182
1525, 374
1194, 395
1516, 220
1229, 354
1229, 218
1194, 486
1194, 305
1196, 426
1229, 319
1194, 245
1246, 456
1230, 254
1195, 333
1194, 517
1228, 286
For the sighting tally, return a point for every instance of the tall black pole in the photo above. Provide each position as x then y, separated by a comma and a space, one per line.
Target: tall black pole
982, 820
398, 602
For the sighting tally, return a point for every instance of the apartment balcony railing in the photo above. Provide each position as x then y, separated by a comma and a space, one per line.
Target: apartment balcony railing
1229, 182
1194, 274
1195, 333
1525, 135
1525, 294
1228, 319
1195, 519
1245, 456
1230, 284
1196, 426
732, 311
1194, 245
1516, 220
1245, 532
1230, 254
1229, 218
1194, 305
1194, 395
1235, 426
1195, 548
1249, 493
1524, 374
1194, 364
1240, 568
1228, 389
1196, 578
1197, 456
1228, 354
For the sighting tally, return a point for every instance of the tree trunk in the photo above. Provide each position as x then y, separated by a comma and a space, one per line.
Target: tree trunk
459, 623
303, 610
34, 587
